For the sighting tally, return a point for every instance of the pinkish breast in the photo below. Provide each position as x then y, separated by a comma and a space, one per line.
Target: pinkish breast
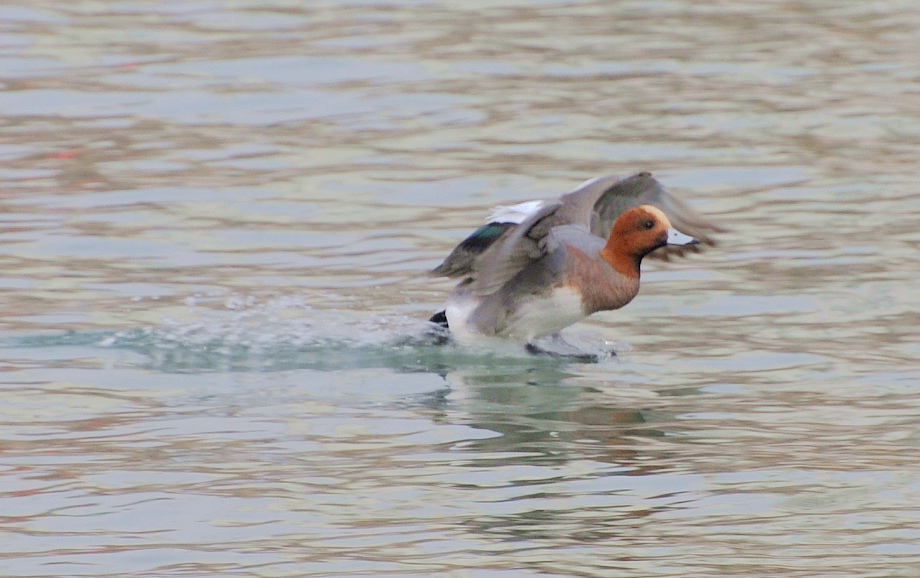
602, 288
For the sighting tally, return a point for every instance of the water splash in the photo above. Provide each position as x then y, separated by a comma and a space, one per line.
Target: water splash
282, 333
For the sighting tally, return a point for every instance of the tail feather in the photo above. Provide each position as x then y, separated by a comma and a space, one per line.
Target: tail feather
440, 318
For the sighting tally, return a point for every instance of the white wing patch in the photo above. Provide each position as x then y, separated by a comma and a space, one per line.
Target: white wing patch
515, 213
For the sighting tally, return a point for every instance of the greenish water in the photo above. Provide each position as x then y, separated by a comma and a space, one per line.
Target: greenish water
216, 222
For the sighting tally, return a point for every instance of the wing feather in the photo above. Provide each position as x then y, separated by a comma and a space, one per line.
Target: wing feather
643, 189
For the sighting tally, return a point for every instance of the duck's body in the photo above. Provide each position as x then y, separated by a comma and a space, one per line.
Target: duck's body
546, 295
541, 266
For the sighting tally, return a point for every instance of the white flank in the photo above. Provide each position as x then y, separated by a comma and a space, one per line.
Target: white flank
458, 310
534, 318
541, 317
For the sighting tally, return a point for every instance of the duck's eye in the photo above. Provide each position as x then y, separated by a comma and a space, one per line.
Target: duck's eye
650, 224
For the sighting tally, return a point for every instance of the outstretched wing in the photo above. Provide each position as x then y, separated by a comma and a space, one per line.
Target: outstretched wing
522, 245
462, 259
496, 252
466, 257
600, 201
595, 205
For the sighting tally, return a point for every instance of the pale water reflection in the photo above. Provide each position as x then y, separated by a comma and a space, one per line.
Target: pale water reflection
216, 219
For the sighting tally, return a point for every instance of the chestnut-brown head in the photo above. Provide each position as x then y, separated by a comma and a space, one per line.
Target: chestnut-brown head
636, 233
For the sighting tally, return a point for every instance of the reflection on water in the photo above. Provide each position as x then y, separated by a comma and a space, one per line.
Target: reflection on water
216, 219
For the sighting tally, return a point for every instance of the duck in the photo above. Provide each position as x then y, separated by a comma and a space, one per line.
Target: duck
538, 267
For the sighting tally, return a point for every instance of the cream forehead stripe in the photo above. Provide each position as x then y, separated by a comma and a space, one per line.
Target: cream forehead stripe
657, 213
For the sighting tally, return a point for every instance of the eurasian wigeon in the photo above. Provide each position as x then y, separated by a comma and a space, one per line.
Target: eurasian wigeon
540, 266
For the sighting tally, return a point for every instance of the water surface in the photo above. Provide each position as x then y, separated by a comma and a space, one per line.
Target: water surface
216, 222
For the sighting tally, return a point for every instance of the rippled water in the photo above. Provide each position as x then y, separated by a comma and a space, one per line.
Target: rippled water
216, 219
